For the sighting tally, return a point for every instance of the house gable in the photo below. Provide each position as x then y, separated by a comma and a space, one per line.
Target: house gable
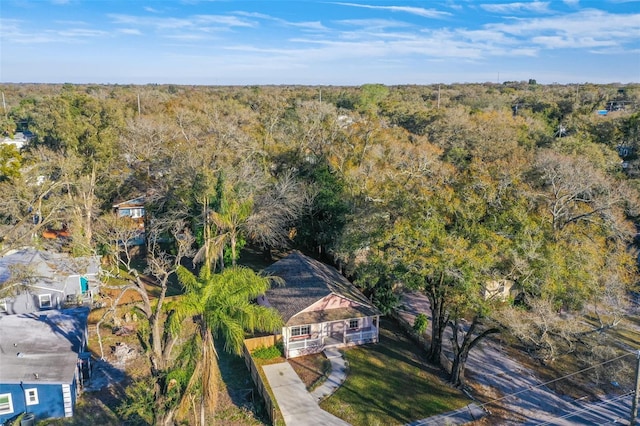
332, 301
314, 292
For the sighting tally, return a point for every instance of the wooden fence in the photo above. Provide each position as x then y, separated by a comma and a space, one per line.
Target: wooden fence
266, 341
270, 405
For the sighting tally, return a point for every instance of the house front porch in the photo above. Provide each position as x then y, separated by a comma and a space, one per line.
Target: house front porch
308, 339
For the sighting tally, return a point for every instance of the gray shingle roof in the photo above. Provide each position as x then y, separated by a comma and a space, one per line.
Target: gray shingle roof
305, 282
45, 344
46, 265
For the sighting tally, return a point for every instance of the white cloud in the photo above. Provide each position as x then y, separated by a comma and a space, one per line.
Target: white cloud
255, 15
308, 25
157, 23
18, 32
228, 21
373, 23
80, 33
583, 22
559, 42
305, 25
426, 13
186, 37
519, 7
330, 49
179, 23
130, 31
72, 23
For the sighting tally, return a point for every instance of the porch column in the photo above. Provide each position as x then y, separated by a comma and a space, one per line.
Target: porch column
285, 341
345, 328
377, 328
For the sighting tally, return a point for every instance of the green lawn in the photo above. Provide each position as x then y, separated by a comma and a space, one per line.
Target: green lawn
391, 383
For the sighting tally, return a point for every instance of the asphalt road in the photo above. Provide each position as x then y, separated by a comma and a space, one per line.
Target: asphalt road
530, 404
613, 411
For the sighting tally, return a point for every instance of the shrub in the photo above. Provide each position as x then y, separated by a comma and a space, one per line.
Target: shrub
263, 352
420, 323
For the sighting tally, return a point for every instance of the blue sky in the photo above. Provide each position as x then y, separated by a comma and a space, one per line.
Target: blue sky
318, 42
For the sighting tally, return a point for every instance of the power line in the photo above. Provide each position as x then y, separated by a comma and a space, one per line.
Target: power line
556, 380
589, 408
529, 388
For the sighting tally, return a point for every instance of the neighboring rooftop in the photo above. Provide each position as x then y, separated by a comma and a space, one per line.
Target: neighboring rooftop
45, 265
307, 281
134, 202
19, 139
41, 347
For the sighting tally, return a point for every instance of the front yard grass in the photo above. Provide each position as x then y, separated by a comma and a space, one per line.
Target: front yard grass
391, 383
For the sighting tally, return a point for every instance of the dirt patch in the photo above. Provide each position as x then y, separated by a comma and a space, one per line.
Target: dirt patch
312, 369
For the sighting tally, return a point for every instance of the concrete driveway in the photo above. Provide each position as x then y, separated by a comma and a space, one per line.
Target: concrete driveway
297, 405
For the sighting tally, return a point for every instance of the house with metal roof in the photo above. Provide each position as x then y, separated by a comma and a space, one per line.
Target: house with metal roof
320, 307
34, 280
42, 363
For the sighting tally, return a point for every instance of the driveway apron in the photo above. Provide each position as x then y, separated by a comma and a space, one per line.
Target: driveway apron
297, 405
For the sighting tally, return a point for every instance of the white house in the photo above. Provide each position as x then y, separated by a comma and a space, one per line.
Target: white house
319, 306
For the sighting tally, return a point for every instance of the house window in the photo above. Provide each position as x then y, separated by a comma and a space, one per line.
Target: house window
31, 396
302, 330
45, 301
6, 404
134, 213
353, 324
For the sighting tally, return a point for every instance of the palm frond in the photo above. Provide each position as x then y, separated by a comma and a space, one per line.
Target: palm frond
188, 281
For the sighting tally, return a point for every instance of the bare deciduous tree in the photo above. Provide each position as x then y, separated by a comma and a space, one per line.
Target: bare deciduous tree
274, 212
160, 266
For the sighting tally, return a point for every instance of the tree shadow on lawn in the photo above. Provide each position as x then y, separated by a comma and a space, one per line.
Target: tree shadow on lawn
238, 382
395, 344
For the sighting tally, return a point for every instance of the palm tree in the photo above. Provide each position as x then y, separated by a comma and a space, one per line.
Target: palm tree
229, 222
222, 226
221, 306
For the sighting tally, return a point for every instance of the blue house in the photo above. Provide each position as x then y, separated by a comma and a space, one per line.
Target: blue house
41, 363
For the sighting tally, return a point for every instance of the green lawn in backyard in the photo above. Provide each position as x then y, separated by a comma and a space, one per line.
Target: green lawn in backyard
390, 383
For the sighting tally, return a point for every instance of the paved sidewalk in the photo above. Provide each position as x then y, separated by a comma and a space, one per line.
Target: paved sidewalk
336, 377
297, 405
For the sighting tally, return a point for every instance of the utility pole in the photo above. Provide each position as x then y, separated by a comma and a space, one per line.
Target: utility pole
138, 105
636, 394
438, 97
4, 105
